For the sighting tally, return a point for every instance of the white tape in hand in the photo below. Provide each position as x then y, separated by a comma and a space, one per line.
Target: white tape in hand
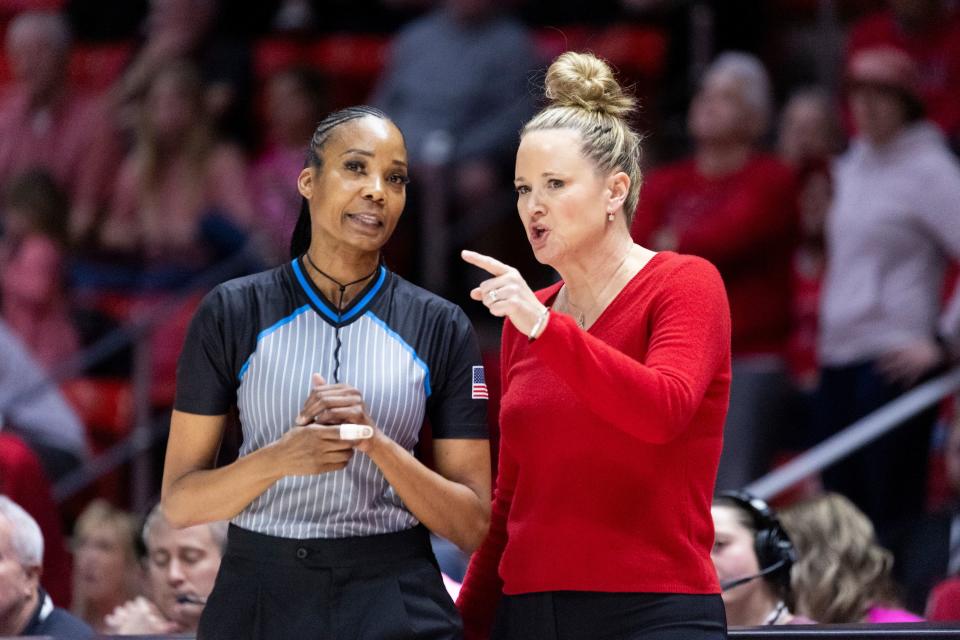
355, 431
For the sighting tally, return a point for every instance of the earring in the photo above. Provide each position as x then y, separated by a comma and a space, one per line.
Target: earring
610, 216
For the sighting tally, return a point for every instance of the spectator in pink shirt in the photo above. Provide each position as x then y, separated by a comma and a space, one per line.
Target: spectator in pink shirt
296, 99
45, 123
33, 301
177, 178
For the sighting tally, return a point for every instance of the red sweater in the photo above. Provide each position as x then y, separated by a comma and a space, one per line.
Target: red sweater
609, 445
745, 224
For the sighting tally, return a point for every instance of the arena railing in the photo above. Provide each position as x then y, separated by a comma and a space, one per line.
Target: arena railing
135, 447
857, 435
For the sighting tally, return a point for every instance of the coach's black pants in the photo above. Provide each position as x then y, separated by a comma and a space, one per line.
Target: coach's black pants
382, 587
587, 615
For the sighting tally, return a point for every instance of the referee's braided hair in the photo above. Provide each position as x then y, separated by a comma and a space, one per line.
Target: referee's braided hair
300, 240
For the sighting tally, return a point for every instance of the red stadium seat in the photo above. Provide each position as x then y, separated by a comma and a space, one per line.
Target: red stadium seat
550, 42
353, 63
118, 306
166, 343
167, 337
6, 73
13, 7
23, 481
106, 408
351, 55
943, 604
634, 50
97, 67
104, 405
274, 54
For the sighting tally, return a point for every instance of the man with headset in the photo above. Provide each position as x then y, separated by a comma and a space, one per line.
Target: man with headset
753, 555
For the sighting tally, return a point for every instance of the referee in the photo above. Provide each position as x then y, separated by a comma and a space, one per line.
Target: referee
328, 537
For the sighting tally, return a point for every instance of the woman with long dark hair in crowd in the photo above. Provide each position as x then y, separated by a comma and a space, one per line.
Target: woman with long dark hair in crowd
179, 180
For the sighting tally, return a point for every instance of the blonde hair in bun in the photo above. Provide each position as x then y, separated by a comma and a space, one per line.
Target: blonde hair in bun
586, 97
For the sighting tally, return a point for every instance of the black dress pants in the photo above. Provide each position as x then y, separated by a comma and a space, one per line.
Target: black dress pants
383, 587
588, 615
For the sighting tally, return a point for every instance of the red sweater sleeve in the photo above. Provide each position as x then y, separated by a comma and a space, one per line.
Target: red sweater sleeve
482, 586
763, 210
689, 340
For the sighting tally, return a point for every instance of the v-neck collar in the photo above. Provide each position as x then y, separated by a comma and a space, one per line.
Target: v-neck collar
327, 309
551, 293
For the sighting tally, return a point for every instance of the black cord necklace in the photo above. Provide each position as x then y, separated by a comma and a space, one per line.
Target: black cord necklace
336, 329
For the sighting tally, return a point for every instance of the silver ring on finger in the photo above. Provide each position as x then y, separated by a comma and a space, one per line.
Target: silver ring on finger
493, 295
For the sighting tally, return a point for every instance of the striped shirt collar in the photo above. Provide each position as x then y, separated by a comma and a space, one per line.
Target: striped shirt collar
360, 302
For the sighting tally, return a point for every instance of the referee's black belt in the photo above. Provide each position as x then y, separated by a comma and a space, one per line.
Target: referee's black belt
330, 552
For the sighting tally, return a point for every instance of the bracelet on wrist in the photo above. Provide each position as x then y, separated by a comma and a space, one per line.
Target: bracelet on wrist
540, 324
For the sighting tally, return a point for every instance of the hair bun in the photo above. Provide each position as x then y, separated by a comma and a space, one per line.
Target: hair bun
584, 81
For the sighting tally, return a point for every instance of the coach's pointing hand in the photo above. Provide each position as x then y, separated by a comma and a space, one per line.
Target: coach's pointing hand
507, 294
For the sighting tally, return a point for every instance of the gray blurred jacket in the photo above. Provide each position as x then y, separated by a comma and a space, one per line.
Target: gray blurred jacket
470, 82
892, 230
38, 412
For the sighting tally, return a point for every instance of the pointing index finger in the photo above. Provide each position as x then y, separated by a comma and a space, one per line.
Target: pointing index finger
488, 264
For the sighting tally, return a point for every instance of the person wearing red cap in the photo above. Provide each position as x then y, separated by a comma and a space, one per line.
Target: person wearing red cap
884, 93
891, 233
928, 31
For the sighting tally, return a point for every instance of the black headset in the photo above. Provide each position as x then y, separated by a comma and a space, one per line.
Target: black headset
774, 549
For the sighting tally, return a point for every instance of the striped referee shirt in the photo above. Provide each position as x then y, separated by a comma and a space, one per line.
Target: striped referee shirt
254, 343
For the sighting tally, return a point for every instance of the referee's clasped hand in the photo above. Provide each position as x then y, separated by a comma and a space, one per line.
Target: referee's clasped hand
312, 449
332, 404
507, 294
335, 404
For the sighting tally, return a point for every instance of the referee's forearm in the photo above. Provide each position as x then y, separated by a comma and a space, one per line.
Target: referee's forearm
208, 495
450, 509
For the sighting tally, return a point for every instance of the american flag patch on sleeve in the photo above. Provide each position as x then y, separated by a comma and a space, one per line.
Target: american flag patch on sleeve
479, 389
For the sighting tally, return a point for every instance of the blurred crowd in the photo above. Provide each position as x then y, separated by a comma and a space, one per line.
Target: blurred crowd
144, 143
